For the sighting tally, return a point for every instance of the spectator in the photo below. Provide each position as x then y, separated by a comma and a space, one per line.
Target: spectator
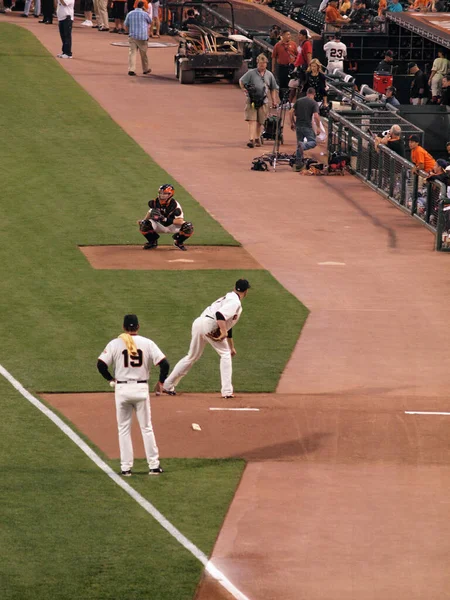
333, 17
385, 65
102, 15
65, 15
393, 141
445, 97
423, 161
391, 96
47, 12
258, 83
359, 14
345, 7
305, 110
382, 8
304, 50
440, 67
27, 7
422, 5
137, 23
156, 23
190, 20
98, 21
395, 6
283, 56
447, 146
118, 14
439, 172
315, 78
87, 7
418, 93
274, 35
335, 51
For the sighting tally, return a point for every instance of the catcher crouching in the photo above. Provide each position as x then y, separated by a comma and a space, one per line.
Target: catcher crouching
165, 216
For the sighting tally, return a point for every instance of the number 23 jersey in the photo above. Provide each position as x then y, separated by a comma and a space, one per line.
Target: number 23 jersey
131, 368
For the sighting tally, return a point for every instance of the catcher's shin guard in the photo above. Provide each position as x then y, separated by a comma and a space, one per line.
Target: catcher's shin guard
186, 230
151, 237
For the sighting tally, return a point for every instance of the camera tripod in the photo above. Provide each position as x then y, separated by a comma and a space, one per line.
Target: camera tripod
275, 157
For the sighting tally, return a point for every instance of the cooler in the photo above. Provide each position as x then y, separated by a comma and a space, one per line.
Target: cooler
381, 81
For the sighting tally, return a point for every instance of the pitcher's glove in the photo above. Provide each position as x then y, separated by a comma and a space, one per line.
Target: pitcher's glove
145, 226
215, 334
156, 215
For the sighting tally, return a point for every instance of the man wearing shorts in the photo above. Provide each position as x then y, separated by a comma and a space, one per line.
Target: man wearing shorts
118, 14
257, 84
154, 30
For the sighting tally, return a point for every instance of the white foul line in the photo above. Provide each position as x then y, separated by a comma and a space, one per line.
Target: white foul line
241, 409
424, 412
145, 504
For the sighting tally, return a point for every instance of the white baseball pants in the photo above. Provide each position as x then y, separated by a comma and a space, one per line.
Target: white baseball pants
200, 328
129, 397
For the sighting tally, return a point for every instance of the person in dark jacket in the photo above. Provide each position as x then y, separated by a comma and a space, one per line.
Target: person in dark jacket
385, 65
315, 78
419, 88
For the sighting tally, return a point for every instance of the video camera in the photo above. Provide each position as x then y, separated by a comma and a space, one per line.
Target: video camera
255, 95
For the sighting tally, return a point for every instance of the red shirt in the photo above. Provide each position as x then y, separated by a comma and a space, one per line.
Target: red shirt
302, 55
284, 53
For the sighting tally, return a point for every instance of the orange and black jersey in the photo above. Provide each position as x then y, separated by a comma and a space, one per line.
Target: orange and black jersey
170, 211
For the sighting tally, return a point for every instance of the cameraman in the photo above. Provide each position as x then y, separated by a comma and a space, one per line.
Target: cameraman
257, 84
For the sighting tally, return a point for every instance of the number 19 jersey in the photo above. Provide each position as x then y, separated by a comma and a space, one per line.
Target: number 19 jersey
131, 368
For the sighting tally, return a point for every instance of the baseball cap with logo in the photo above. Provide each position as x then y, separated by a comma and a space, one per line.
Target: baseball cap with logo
242, 285
130, 322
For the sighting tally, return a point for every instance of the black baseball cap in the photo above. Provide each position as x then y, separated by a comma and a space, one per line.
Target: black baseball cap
389, 53
303, 32
130, 322
411, 65
242, 285
414, 138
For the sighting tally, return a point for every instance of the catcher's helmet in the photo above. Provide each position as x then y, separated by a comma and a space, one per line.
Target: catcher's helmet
166, 192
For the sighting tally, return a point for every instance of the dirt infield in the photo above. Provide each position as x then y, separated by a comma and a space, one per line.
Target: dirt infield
169, 258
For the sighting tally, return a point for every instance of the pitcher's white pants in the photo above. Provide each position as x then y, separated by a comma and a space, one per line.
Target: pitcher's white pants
129, 397
200, 328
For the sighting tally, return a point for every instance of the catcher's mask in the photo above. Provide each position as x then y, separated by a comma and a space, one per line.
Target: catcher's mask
165, 193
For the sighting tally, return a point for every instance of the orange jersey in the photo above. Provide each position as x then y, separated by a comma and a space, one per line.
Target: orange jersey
420, 156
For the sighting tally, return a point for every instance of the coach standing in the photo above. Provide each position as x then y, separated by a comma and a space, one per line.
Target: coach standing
64, 12
137, 24
131, 356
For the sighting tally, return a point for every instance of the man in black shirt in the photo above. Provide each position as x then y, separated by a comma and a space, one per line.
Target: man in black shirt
191, 20
439, 172
445, 97
419, 89
305, 109
385, 65
393, 141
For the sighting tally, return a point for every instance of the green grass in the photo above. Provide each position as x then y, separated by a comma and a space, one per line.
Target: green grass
68, 531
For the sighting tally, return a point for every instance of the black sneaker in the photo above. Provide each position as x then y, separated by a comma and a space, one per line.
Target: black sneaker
150, 246
156, 471
126, 473
180, 246
229, 396
169, 392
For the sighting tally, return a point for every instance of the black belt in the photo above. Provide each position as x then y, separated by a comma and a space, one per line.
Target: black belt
138, 381
208, 317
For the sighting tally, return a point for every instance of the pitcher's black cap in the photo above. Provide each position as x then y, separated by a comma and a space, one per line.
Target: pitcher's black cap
130, 322
242, 285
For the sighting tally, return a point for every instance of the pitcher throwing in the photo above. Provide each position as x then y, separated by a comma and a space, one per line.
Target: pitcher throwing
213, 326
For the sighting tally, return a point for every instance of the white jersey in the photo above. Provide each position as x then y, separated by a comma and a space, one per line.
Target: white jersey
131, 368
335, 52
230, 307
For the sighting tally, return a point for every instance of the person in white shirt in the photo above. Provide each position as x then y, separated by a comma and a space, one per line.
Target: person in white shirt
336, 52
213, 326
131, 356
64, 12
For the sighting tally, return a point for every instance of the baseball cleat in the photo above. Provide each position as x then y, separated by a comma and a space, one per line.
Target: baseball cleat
180, 246
156, 471
169, 392
126, 473
229, 396
150, 246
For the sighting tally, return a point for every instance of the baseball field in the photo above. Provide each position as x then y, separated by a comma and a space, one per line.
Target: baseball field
71, 176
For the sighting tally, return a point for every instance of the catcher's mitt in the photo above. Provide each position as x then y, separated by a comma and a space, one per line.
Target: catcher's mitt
156, 215
145, 226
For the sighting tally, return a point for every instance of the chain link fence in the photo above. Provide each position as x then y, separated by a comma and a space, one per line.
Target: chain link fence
390, 174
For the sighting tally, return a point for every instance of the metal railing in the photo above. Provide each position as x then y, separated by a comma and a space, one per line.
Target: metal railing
392, 176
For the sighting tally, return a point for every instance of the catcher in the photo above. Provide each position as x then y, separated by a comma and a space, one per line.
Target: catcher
165, 216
